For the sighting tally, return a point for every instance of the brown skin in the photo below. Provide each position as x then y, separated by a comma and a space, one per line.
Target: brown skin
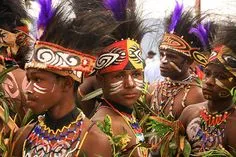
127, 97
129, 94
119, 126
215, 102
89, 85
195, 93
181, 61
13, 85
61, 90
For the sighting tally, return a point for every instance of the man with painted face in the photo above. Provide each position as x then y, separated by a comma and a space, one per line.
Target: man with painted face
180, 47
14, 43
59, 62
211, 125
120, 74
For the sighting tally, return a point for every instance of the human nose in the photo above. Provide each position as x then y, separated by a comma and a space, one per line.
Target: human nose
129, 82
164, 59
210, 80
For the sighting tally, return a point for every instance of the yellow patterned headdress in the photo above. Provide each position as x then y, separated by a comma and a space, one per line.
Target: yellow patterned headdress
225, 56
118, 56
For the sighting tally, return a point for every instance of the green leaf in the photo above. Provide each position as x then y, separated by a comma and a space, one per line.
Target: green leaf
92, 95
3, 146
160, 128
6, 110
187, 148
27, 117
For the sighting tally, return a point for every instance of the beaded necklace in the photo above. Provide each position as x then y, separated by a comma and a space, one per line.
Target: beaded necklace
211, 130
167, 90
130, 121
134, 126
44, 141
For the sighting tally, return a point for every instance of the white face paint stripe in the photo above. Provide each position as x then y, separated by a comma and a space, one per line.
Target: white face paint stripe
220, 84
138, 81
116, 84
39, 89
164, 58
116, 87
175, 66
53, 88
139, 84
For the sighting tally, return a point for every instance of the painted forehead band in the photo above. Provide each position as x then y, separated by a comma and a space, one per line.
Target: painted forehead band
118, 56
225, 56
60, 60
178, 44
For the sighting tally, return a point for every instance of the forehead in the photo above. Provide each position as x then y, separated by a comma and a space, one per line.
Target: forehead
217, 68
124, 72
171, 52
32, 72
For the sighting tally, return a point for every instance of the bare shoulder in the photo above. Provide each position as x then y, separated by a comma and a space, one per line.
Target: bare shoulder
151, 89
230, 130
101, 114
96, 143
191, 112
195, 95
19, 138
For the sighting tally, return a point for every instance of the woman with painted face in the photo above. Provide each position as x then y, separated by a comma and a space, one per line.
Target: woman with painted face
211, 125
120, 74
58, 64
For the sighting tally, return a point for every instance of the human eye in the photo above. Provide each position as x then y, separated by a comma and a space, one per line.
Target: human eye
137, 74
119, 76
162, 54
222, 76
207, 73
37, 79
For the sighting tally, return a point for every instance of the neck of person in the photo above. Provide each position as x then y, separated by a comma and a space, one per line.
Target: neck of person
65, 106
219, 106
119, 107
181, 76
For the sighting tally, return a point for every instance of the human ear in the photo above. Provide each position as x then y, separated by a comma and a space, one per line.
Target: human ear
67, 83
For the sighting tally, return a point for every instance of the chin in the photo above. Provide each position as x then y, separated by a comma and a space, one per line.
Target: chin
37, 111
165, 74
129, 104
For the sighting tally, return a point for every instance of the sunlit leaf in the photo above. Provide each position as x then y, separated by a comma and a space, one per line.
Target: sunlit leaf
92, 95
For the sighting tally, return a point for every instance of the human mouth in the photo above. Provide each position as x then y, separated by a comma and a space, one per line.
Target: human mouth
130, 96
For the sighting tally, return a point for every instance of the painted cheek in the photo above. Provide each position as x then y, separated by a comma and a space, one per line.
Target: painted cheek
39, 89
139, 84
116, 87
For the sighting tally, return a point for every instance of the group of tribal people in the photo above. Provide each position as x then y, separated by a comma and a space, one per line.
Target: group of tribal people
49, 63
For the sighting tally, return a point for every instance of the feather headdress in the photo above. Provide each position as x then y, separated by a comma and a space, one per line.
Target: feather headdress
14, 31
123, 50
185, 35
65, 42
